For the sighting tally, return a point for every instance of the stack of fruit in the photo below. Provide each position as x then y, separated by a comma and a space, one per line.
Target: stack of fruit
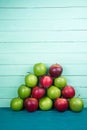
46, 89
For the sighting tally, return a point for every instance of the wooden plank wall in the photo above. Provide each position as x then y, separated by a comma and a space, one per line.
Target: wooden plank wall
48, 31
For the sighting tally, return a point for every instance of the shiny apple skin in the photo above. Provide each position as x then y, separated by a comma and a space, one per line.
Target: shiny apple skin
76, 104
61, 104
68, 91
45, 104
46, 81
55, 70
38, 92
31, 104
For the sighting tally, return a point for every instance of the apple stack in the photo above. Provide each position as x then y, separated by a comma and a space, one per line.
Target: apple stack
46, 89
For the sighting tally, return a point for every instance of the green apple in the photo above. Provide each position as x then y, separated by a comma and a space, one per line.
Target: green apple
31, 80
39, 69
45, 103
60, 82
16, 104
24, 92
53, 92
76, 104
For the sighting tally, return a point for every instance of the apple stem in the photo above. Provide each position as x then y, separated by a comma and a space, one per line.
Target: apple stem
47, 73
78, 96
29, 72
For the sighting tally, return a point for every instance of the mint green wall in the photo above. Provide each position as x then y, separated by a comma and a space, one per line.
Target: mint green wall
48, 31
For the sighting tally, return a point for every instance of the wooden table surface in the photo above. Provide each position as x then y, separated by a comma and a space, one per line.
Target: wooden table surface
42, 120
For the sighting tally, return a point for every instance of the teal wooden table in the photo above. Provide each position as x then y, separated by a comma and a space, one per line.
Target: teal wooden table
42, 120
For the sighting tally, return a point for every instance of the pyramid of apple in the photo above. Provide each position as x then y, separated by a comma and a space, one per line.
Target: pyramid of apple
46, 89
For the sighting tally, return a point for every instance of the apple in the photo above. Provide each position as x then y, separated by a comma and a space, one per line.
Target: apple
39, 69
31, 80
53, 92
24, 92
68, 92
60, 82
61, 104
46, 81
55, 70
38, 92
16, 104
31, 104
76, 104
45, 103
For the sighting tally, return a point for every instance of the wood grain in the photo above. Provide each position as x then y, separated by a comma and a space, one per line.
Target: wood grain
48, 31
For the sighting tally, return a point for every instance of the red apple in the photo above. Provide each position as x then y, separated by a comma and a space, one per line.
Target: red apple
55, 70
31, 104
61, 104
68, 92
46, 81
38, 92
